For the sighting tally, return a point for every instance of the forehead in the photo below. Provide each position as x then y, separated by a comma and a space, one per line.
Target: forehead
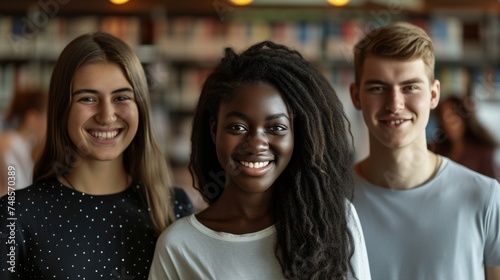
392, 70
255, 98
98, 73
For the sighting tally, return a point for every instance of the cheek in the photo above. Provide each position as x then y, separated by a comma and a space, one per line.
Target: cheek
129, 113
419, 104
225, 146
370, 105
77, 118
79, 114
285, 147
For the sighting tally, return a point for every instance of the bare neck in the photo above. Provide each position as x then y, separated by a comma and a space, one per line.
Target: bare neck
98, 177
238, 213
399, 169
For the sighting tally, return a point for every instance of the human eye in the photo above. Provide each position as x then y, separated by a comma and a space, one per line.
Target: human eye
237, 128
122, 98
410, 88
278, 128
87, 99
376, 89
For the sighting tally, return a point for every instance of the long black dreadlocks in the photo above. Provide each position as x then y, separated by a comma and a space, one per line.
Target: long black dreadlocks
309, 198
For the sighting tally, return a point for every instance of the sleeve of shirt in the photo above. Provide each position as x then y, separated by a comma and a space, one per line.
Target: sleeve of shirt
492, 223
10, 256
162, 266
359, 260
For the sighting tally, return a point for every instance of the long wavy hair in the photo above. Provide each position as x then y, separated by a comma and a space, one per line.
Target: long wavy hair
309, 198
143, 159
465, 109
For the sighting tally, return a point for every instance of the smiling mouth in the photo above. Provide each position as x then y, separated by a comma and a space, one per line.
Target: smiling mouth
395, 122
103, 135
258, 164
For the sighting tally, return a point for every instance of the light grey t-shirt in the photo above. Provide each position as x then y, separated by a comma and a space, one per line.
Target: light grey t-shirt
189, 250
447, 228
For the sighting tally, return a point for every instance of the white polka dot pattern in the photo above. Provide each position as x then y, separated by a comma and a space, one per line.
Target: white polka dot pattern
64, 234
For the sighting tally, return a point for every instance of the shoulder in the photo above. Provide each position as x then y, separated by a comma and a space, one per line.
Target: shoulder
28, 203
352, 214
181, 203
458, 179
461, 175
31, 199
353, 222
40, 189
179, 232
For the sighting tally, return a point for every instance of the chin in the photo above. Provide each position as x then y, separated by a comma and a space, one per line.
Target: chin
104, 156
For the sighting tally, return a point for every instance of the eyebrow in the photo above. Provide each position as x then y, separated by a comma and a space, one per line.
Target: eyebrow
86, 90
245, 117
406, 82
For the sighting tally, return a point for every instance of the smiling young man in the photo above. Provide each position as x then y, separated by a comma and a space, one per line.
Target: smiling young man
423, 216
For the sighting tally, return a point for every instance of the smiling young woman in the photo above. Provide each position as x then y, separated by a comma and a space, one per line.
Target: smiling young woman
102, 192
271, 155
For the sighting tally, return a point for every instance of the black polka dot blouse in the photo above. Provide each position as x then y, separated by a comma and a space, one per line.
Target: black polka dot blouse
48, 231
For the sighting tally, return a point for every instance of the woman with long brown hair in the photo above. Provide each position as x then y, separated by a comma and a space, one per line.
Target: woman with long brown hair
102, 191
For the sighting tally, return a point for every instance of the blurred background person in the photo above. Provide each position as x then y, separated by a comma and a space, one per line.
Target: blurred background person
463, 138
22, 141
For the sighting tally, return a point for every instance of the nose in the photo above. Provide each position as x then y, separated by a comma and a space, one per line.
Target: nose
255, 143
106, 113
395, 102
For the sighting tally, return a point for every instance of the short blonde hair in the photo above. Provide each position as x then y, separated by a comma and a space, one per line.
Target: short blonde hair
401, 40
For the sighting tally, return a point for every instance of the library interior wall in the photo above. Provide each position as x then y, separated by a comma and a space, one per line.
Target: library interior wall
179, 51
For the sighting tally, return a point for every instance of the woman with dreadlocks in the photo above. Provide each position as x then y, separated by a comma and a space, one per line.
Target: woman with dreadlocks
271, 155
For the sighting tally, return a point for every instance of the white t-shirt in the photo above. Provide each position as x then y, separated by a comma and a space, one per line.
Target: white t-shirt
189, 250
447, 228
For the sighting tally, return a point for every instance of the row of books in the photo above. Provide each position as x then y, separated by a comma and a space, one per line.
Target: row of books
485, 84
33, 38
204, 38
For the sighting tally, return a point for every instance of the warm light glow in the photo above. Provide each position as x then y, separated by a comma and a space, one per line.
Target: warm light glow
118, 2
338, 2
241, 2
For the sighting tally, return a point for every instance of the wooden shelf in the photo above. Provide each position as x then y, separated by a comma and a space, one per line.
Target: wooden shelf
208, 7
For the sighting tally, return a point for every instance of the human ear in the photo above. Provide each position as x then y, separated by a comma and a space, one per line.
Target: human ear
213, 129
435, 93
353, 89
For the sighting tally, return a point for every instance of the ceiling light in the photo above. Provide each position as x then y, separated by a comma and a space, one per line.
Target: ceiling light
338, 2
241, 2
118, 2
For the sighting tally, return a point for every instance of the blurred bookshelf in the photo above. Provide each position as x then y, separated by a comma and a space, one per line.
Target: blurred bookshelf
179, 48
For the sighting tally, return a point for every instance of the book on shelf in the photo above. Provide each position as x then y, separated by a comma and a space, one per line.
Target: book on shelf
446, 34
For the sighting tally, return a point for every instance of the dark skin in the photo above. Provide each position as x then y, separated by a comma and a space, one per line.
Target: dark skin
253, 136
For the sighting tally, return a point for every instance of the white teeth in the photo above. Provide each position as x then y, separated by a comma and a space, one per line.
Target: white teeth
104, 135
395, 122
254, 164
